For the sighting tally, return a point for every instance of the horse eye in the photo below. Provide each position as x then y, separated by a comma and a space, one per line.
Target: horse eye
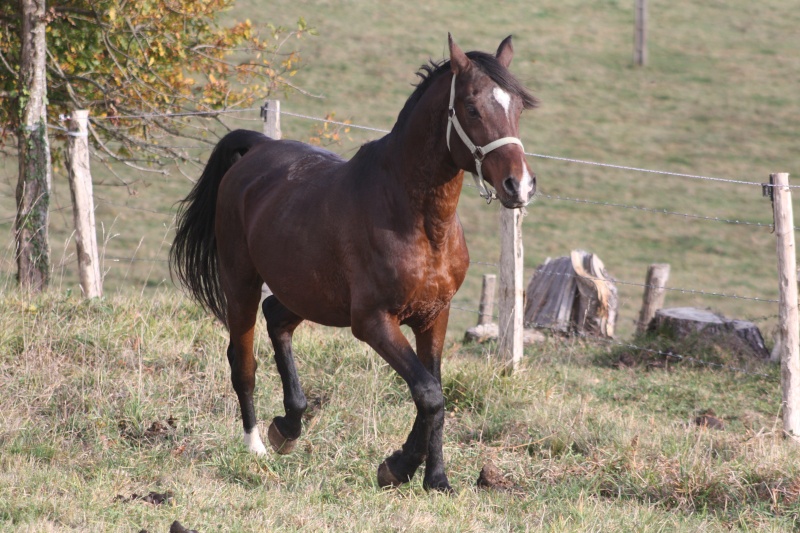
472, 112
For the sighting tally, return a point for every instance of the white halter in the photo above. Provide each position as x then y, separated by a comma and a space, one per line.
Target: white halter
478, 152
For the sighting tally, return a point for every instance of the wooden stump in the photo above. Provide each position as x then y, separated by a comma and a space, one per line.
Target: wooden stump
572, 294
687, 321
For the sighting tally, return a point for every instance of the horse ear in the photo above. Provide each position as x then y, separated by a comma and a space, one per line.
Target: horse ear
505, 52
459, 62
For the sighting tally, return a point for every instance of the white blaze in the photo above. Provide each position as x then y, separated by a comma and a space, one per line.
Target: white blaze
526, 183
502, 98
253, 442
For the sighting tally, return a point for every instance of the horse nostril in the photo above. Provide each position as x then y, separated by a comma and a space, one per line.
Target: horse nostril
511, 186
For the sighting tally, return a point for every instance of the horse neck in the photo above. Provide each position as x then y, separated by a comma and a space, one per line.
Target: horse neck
423, 163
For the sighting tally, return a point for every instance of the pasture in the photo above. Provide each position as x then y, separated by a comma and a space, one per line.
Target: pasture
89, 388
130, 395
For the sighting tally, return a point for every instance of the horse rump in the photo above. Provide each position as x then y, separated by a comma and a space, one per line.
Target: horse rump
193, 256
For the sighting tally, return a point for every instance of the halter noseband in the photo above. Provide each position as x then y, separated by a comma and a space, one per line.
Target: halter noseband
478, 152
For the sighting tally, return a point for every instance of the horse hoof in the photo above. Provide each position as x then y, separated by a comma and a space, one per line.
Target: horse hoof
279, 443
386, 478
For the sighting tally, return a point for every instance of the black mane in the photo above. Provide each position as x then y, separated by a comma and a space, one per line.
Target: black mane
487, 63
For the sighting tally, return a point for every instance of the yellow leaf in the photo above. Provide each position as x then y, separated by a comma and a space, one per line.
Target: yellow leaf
112, 14
151, 61
212, 79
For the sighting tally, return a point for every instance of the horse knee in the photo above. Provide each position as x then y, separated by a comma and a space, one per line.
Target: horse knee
428, 398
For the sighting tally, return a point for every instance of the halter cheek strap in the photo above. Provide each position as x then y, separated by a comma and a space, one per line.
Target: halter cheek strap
478, 152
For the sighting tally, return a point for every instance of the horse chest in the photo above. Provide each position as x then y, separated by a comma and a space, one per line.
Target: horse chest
438, 278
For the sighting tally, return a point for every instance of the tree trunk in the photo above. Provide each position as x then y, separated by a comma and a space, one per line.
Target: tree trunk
33, 186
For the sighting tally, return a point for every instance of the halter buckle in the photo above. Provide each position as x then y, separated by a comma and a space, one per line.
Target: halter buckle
479, 154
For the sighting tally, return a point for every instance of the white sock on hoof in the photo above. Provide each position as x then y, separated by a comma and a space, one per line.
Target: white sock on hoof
254, 443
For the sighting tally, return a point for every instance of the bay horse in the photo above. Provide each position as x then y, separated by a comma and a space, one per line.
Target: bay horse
370, 243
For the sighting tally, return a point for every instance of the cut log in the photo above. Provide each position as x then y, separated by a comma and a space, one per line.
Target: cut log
687, 321
572, 294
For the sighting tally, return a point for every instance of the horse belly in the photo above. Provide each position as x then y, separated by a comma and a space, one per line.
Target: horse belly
316, 294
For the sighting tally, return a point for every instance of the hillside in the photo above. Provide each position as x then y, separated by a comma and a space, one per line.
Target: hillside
716, 100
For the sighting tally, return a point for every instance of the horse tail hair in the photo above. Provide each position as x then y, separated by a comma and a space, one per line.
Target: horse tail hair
193, 257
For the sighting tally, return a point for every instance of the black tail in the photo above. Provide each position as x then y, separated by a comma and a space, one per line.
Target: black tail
193, 256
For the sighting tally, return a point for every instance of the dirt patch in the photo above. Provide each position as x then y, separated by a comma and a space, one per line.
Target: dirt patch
152, 497
157, 430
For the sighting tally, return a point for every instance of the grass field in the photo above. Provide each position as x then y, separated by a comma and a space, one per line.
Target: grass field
107, 402
89, 387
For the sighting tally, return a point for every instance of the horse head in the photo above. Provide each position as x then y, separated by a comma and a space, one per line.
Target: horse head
486, 102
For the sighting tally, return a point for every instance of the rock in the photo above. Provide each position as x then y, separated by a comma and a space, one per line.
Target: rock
489, 332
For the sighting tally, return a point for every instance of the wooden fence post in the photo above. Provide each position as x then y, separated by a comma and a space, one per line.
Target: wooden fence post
80, 186
487, 299
787, 311
640, 34
510, 327
653, 298
271, 114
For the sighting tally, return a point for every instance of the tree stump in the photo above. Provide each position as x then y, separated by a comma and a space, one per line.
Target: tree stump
572, 294
687, 321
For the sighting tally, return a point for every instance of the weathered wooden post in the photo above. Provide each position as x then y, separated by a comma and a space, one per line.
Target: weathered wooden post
511, 289
653, 298
271, 114
640, 34
487, 299
787, 311
80, 186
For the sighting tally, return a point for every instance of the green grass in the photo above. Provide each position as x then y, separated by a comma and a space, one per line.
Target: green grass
106, 399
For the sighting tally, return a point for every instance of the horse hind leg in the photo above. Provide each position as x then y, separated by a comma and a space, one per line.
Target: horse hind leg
281, 323
242, 313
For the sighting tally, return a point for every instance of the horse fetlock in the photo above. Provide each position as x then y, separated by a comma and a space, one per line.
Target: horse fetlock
252, 440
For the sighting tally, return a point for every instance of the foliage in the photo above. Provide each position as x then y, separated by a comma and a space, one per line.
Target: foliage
147, 58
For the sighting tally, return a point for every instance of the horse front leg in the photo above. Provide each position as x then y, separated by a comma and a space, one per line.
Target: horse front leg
281, 323
382, 333
430, 343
